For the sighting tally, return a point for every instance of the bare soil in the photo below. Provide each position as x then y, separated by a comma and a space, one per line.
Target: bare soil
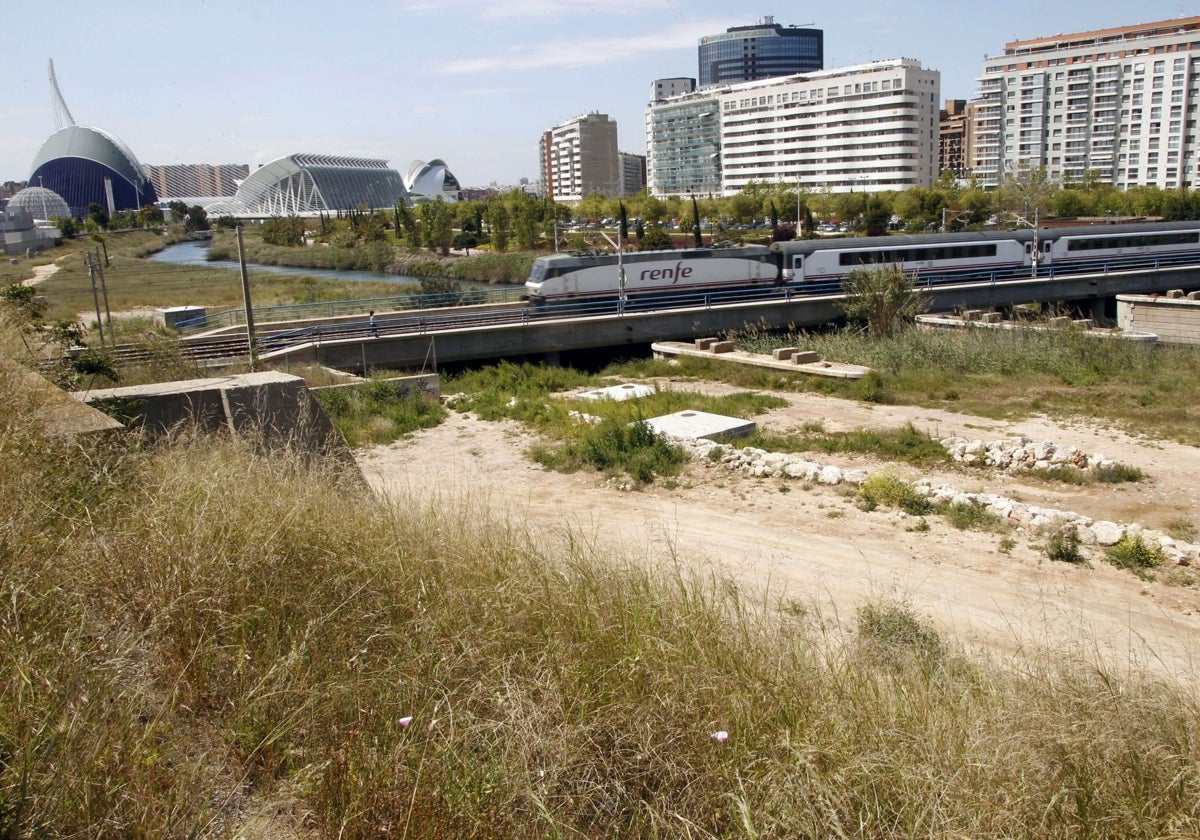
814, 546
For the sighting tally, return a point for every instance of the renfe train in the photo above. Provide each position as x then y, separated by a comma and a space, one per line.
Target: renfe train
564, 277
821, 265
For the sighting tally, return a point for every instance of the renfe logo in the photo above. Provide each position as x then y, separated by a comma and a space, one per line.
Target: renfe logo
679, 272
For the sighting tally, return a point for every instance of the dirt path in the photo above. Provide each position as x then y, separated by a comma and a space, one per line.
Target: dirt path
830, 556
41, 272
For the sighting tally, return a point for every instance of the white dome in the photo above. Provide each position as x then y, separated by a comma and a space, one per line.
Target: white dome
40, 203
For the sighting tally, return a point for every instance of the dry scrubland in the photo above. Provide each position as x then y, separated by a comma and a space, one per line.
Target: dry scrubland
204, 640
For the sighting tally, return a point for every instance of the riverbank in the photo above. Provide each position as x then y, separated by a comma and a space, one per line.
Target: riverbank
383, 257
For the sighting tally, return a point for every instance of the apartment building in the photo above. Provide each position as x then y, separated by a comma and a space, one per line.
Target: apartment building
633, 173
1117, 105
869, 127
579, 157
683, 145
956, 138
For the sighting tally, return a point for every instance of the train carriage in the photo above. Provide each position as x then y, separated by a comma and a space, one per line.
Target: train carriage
568, 277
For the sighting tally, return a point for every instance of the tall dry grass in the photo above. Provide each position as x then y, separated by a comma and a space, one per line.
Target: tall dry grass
194, 631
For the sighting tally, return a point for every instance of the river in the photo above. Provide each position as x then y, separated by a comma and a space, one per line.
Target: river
193, 253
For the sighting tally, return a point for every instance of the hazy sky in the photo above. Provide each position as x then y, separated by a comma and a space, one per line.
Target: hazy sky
474, 83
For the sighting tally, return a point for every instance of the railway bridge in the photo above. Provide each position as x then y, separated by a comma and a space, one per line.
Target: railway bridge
425, 339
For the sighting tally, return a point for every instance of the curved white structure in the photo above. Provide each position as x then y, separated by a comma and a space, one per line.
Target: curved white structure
429, 181
308, 184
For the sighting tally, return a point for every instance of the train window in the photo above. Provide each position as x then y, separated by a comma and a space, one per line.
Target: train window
1144, 241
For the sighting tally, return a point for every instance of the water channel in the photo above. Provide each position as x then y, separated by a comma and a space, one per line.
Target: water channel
194, 253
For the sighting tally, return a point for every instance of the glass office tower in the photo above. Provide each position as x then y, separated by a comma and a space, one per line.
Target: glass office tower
762, 51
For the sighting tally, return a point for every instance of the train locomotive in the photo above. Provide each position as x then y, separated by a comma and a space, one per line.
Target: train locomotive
820, 266
569, 277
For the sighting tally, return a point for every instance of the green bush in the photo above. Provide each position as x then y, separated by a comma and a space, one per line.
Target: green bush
889, 491
615, 445
1134, 552
1063, 545
971, 517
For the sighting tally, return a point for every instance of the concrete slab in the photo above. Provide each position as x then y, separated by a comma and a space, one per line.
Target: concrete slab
691, 425
797, 363
618, 393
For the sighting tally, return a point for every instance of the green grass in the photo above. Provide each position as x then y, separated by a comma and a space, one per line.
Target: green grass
533, 395
200, 633
907, 444
1011, 374
612, 445
375, 412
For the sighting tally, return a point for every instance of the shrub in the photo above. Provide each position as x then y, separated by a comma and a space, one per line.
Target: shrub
890, 491
1134, 552
895, 627
613, 444
968, 516
1063, 545
1118, 474
870, 387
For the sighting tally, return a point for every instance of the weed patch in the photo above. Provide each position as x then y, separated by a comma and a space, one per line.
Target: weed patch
376, 412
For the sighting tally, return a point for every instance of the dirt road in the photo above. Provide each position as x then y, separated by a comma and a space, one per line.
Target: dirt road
816, 545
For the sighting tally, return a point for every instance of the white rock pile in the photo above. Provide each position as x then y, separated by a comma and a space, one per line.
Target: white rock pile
759, 463
1021, 453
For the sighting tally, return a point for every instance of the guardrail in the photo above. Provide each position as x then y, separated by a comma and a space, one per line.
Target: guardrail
333, 309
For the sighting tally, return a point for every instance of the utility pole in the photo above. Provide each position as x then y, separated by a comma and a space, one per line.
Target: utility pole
246, 301
95, 295
104, 291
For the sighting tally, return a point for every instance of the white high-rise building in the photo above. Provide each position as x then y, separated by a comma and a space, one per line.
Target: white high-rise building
579, 157
870, 127
1117, 105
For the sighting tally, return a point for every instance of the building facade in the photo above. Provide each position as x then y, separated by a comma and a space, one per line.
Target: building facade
633, 173
579, 157
870, 127
666, 88
956, 138
306, 184
683, 145
1117, 105
762, 51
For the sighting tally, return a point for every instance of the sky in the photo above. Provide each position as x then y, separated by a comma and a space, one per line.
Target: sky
469, 81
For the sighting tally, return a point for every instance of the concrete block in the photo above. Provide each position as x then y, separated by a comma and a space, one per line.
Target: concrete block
971, 314
783, 353
693, 425
1060, 321
990, 317
705, 343
1084, 323
618, 393
174, 315
1193, 295
808, 357
722, 347
1175, 294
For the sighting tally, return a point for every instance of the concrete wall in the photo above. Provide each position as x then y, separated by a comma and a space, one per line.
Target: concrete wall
1175, 320
275, 407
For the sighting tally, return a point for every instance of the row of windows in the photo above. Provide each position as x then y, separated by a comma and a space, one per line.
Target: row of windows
895, 255
1144, 241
